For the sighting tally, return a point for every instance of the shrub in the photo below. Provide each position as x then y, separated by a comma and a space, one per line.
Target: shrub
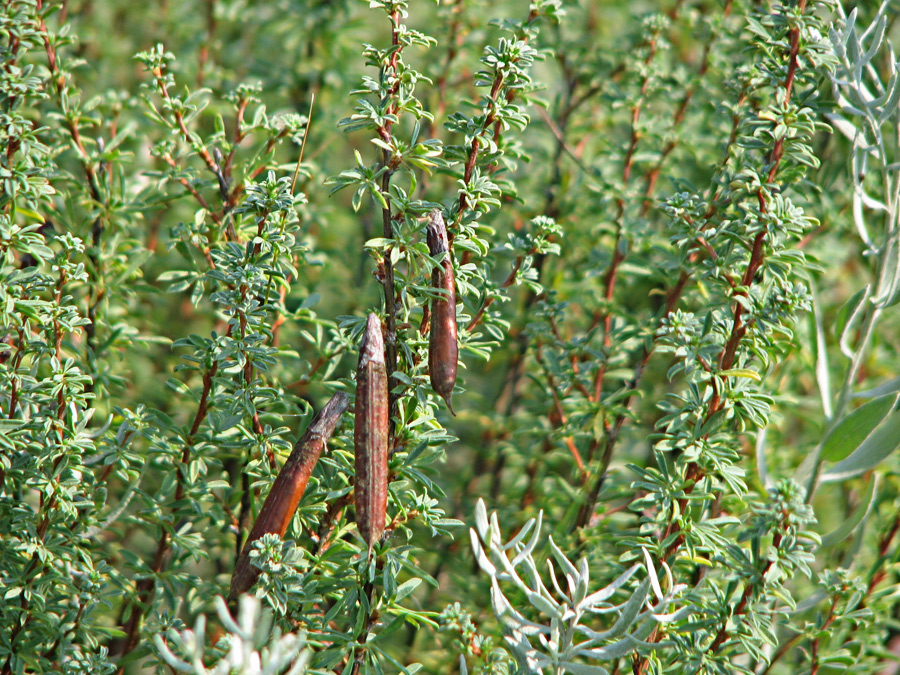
662, 242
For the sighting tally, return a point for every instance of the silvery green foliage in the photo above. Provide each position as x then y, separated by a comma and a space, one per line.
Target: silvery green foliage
869, 101
568, 636
253, 645
870, 119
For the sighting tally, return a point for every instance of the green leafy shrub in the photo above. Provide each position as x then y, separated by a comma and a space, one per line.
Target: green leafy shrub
672, 237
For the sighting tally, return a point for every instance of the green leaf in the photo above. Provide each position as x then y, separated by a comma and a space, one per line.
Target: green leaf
849, 315
877, 446
853, 429
30, 214
742, 372
406, 588
846, 528
888, 387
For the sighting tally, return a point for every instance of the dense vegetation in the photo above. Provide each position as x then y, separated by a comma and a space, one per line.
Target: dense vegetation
648, 252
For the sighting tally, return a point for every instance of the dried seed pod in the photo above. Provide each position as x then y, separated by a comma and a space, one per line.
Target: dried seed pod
371, 434
443, 347
288, 488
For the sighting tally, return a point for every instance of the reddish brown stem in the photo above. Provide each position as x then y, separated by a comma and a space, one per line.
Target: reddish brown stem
560, 413
749, 591
387, 230
46, 507
145, 587
510, 280
728, 354
613, 430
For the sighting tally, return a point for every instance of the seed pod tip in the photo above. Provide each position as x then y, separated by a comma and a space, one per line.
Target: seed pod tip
372, 346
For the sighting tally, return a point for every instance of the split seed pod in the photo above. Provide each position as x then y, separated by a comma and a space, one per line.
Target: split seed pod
443, 347
288, 488
371, 434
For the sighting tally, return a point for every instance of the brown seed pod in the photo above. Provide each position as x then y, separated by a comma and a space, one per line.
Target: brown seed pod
443, 347
371, 434
288, 488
